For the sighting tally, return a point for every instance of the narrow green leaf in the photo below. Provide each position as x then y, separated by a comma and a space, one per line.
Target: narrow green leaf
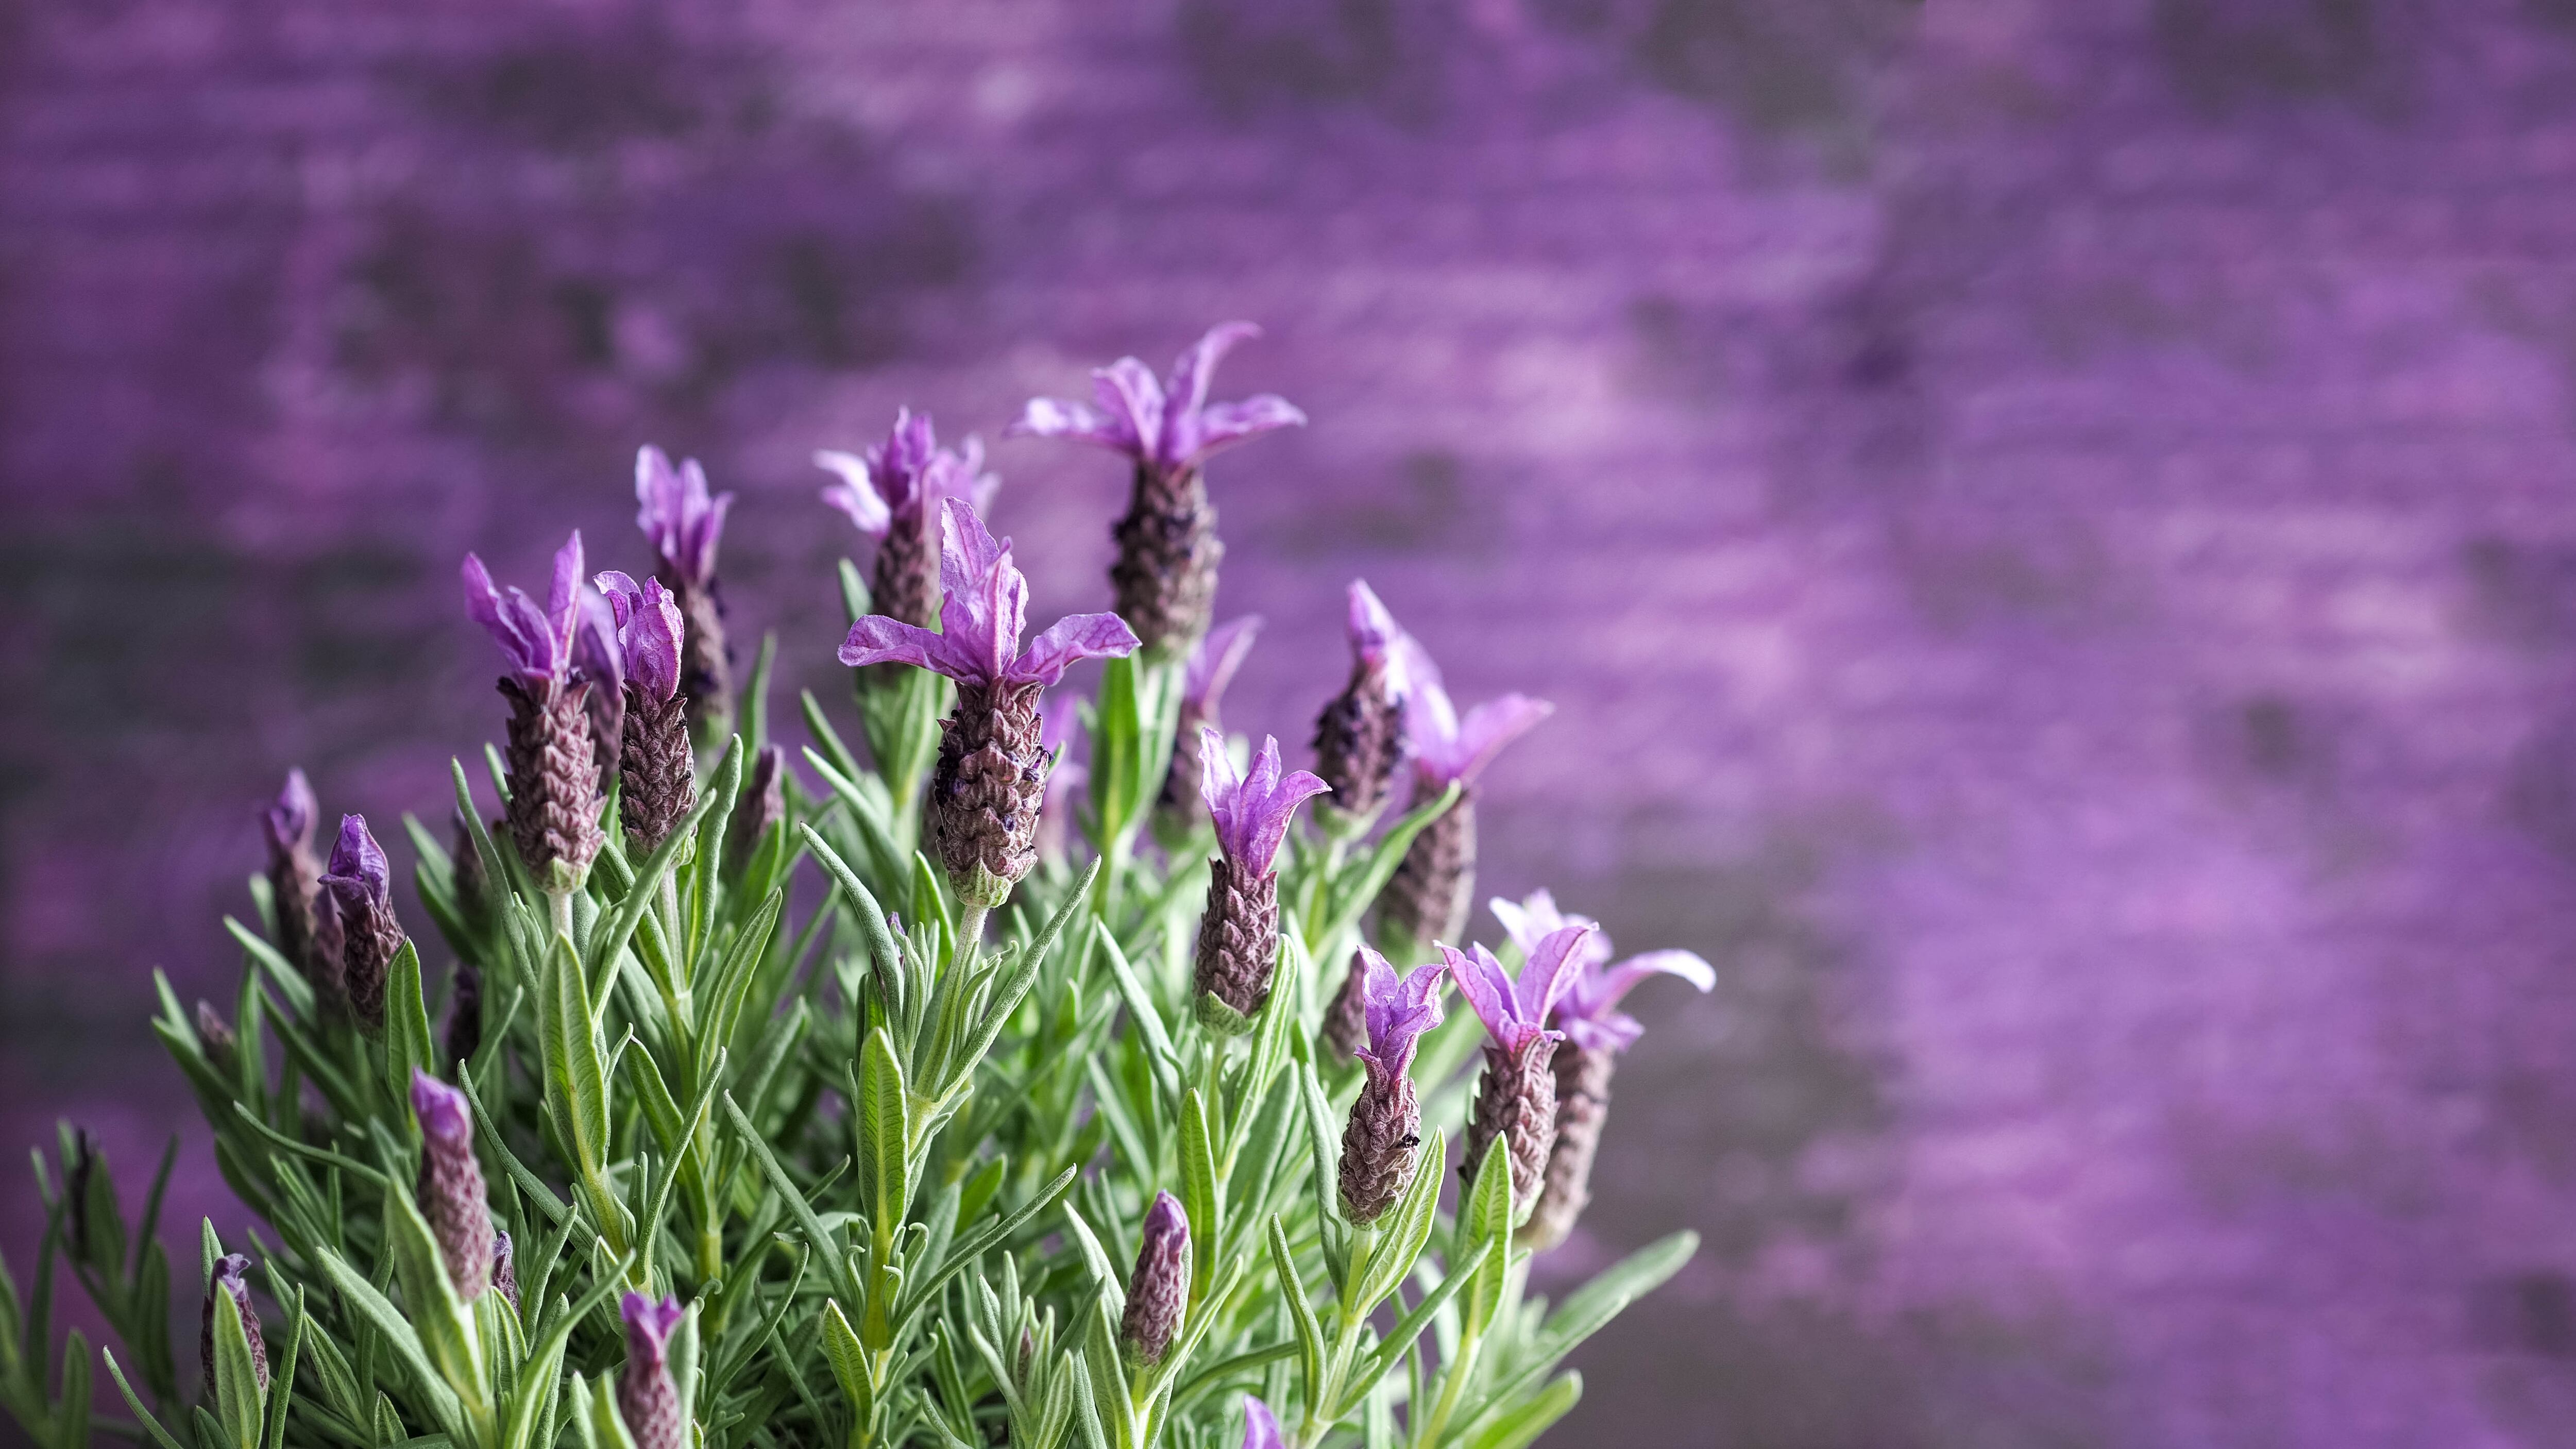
1407, 1229
281, 1373
1200, 1193
1485, 1238
1310, 1334
238, 1400
408, 1044
883, 1123
142, 1415
1523, 1425
393, 1331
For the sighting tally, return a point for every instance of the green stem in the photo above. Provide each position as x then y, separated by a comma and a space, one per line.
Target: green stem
559, 905
970, 936
1453, 1382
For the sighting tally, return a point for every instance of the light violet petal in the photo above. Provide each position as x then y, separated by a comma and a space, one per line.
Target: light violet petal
1004, 605
855, 495
1197, 367
1516, 922
1490, 726
1611, 1031
1129, 394
1221, 789
595, 654
1549, 971
1226, 424
1277, 806
1049, 417
1260, 1426
1374, 633
877, 639
482, 601
565, 591
355, 856
1430, 720
1488, 991
1070, 640
1213, 664
1623, 978
967, 549
442, 1110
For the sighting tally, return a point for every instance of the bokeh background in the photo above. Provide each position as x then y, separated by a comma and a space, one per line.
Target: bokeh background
2049, 529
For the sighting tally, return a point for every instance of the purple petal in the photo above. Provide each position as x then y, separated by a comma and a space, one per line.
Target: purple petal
648, 634
1550, 969
1071, 639
1610, 1031
1587, 1009
1197, 367
1047, 417
290, 818
1490, 726
1488, 991
1399, 1010
442, 1110
1226, 424
649, 1326
595, 654
564, 594
1220, 787
1213, 664
877, 639
967, 549
1375, 636
1273, 811
1128, 392
855, 495
1430, 720
1260, 1426
356, 857
1060, 722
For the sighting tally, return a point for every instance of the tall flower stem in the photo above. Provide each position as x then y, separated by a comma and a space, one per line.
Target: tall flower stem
559, 905
970, 936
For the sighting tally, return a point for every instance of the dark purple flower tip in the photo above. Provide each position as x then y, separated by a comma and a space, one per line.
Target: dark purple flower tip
1515, 1011
1213, 664
677, 514
649, 1326
1251, 810
232, 1274
289, 818
982, 610
1164, 1221
1168, 425
444, 1116
1260, 1426
358, 867
1447, 748
1588, 1013
645, 621
1398, 1009
537, 642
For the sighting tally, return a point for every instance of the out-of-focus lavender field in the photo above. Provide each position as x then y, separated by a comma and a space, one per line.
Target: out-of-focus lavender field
2051, 529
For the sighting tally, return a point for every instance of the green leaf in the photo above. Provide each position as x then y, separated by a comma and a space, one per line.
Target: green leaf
618, 926
1524, 1424
408, 1044
882, 1119
1355, 890
281, 1374
142, 1415
289, 981
576, 1071
849, 1360
371, 1309
1624, 1282
1404, 1232
1140, 1007
1310, 1334
1199, 1193
446, 1328
826, 1243
238, 1399
963, 1252
534, 1402
1485, 1238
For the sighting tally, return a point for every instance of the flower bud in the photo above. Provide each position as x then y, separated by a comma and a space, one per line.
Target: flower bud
554, 783
294, 876
762, 806
451, 1185
216, 1036
1360, 735
473, 887
326, 960
1238, 947
1160, 1286
361, 887
1434, 887
987, 788
647, 1398
1516, 1107
465, 1014
1384, 1138
686, 524
1165, 575
505, 1268
232, 1278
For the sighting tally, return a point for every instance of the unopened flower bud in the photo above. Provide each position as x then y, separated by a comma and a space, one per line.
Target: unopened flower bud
451, 1185
326, 960
465, 1014
215, 1035
647, 1398
1160, 1286
893, 492
505, 1268
1384, 1138
232, 1278
987, 789
1238, 945
361, 887
1359, 737
762, 806
657, 781
294, 876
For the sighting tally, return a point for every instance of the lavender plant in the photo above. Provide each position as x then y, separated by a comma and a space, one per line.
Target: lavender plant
837, 1105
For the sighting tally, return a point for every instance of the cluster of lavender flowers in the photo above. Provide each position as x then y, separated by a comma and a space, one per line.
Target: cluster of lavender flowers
1037, 1124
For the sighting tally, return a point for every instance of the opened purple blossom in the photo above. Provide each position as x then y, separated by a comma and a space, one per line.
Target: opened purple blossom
1587, 1013
1260, 1426
676, 513
905, 475
1516, 1011
289, 819
1213, 664
1398, 1009
358, 868
538, 642
1446, 747
648, 628
1251, 810
1168, 425
982, 611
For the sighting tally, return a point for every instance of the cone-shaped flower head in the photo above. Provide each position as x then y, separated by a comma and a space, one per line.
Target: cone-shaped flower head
1516, 1098
294, 877
1238, 946
451, 1185
892, 493
361, 887
1360, 735
657, 783
1385, 1132
554, 769
232, 1279
289, 818
1260, 1426
1211, 668
1160, 1285
647, 1397
685, 524
989, 784
1588, 1012
762, 806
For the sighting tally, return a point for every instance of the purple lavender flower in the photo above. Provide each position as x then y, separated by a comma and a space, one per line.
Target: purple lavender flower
646, 627
988, 787
647, 1398
762, 806
1168, 551
1516, 1098
1360, 735
1211, 668
294, 878
505, 1268
554, 768
232, 1279
1260, 1426
290, 817
1429, 896
1238, 943
1160, 1286
892, 493
685, 524
451, 1185
1596, 1032
361, 887
656, 772
1385, 1132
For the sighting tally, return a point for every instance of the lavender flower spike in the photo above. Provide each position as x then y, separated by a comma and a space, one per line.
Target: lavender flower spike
1260, 1426
1360, 735
361, 887
1428, 898
1385, 1132
1596, 1031
1160, 1285
989, 784
554, 772
1238, 944
1165, 576
232, 1278
294, 876
647, 1398
1516, 1098
685, 524
451, 1185
1211, 668
657, 783
892, 493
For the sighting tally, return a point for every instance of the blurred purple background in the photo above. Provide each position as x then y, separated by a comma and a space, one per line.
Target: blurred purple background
2048, 527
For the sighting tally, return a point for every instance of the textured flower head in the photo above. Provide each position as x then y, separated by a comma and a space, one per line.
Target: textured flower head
905, 476
1514, 1011
649, 1326
1260, 1426
982, 610
1588, 1011
1213, 664
444, 1115
1168, 425
537, 641
358, 868
1447, 748
1251, 810
289, 818
648, 629
1398, 1010
676, 513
